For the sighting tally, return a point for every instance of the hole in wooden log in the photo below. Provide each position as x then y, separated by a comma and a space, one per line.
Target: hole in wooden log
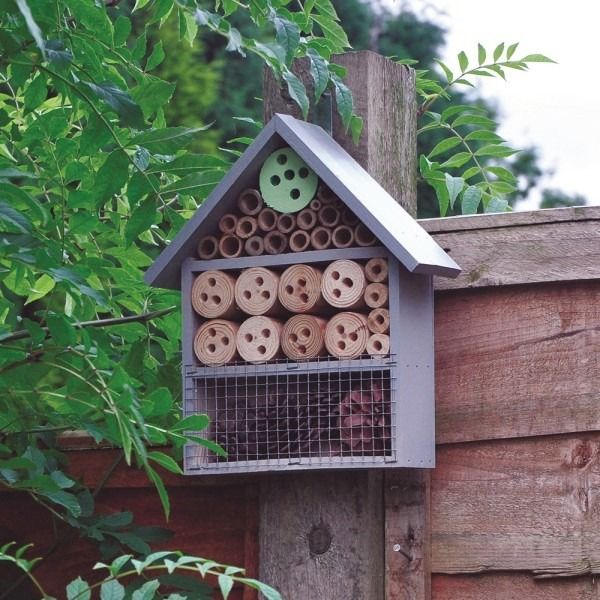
342, 345
337, 292
247, 295
225, 341
211, 348
293, 337
259, 281
302, 281
335, 275
302, 349
377, 345
266, 333
347, 282
216, 299
289, 289
305, 332
304, 297
203, 297
261, 349
212, 332
340, 329
248, 337
353, 336
266, 294
212, 281
379, 319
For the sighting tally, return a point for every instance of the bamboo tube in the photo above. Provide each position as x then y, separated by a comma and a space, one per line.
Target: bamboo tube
286, 223
227, 223
299, 240
258, 339
213, 295
275, 242
320, 238
208, 247
214, 342
346, 335
363, 237
376, 270
376, 295
246, 227
342, 236
267, 219
315, 204
378, 344
254, 246
349, 218
325, 195
230, 246
256, 291
250, 202
378, 320
306, 219
343, 284
303, 337
329, 216
300, 288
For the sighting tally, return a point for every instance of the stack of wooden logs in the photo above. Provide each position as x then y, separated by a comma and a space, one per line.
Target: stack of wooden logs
255, 229
331, 417
264, 315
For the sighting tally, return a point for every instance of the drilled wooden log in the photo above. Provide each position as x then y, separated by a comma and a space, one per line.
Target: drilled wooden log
306, 219
376, 270
286, 223
256, 291
254, 246
378, 344
300, 289
267, 219
214, 343
349, 218
346, 335
315, 204
363, 236
342, 236
227, 223
213, 295
378, 320
230, 246
376, 295
320, 238
208, 247
329, 216
246, 227
258, 339
299, 240
343, 284
303, 337
275, 242
250, 202
325, 195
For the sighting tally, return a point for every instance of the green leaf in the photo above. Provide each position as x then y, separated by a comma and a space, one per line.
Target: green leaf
225, 585
190, 163
511, 50
288, 37
470, 200
192, 423
141, 220
454, 185
14, 218
444, 146
157, 56
463, 61
477, 120
447, 72
234, 43
356, 126
458, 160
344, 101
297, 91
498, 51
34, 30
69, 501
333, 31
537, 58
35, 92
139, 4
61, 330
147, 591
167, 140
319, 72
501, 173
165, 461
120, 101
481, 54
194, 184
495, 150
111, 177
141, 158
483, 135
78, 589
160, 488
112, 590
496, 205
122, 31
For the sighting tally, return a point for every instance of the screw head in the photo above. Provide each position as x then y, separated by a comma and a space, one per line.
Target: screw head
397, 547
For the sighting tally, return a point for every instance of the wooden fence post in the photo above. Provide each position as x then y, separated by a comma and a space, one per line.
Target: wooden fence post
360, 535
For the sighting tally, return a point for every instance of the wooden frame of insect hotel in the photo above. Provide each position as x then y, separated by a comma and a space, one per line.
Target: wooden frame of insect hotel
307, 305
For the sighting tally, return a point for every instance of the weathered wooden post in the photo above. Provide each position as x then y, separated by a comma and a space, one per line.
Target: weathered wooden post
354, 535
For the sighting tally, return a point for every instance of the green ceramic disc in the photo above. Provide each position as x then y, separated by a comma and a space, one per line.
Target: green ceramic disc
286, 183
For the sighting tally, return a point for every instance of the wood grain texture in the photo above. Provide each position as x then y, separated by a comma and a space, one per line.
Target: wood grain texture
518, 248
321, 535
384, 97
518, 361
518, 505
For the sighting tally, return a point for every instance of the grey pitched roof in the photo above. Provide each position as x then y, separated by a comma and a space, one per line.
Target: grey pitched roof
388, 221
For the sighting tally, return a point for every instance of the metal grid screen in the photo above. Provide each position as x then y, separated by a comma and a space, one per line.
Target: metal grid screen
266, 418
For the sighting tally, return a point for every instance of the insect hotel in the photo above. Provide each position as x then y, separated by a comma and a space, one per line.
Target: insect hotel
307, 305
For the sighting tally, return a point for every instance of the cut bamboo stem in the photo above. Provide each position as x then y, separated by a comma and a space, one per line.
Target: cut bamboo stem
378, 344
343, 284
320, 238
246, 227
349, 218
329, 216
378, 320
286, 223
300, 288
258, 339
256, 291
275, 242
228, 223
315, 204
250, 202
346, 335
376, 295
342, 236
208, 247
213, 295
254, 246
230, 246
363, 236
376, 270
267, 219
299, 240
303, 337
214, 343
306, 219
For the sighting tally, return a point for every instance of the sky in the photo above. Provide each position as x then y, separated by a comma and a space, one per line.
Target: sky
553, 107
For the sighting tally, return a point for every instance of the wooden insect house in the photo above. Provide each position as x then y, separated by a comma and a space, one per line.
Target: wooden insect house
307, 305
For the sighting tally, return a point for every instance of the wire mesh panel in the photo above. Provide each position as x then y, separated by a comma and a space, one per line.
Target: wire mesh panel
265, 419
